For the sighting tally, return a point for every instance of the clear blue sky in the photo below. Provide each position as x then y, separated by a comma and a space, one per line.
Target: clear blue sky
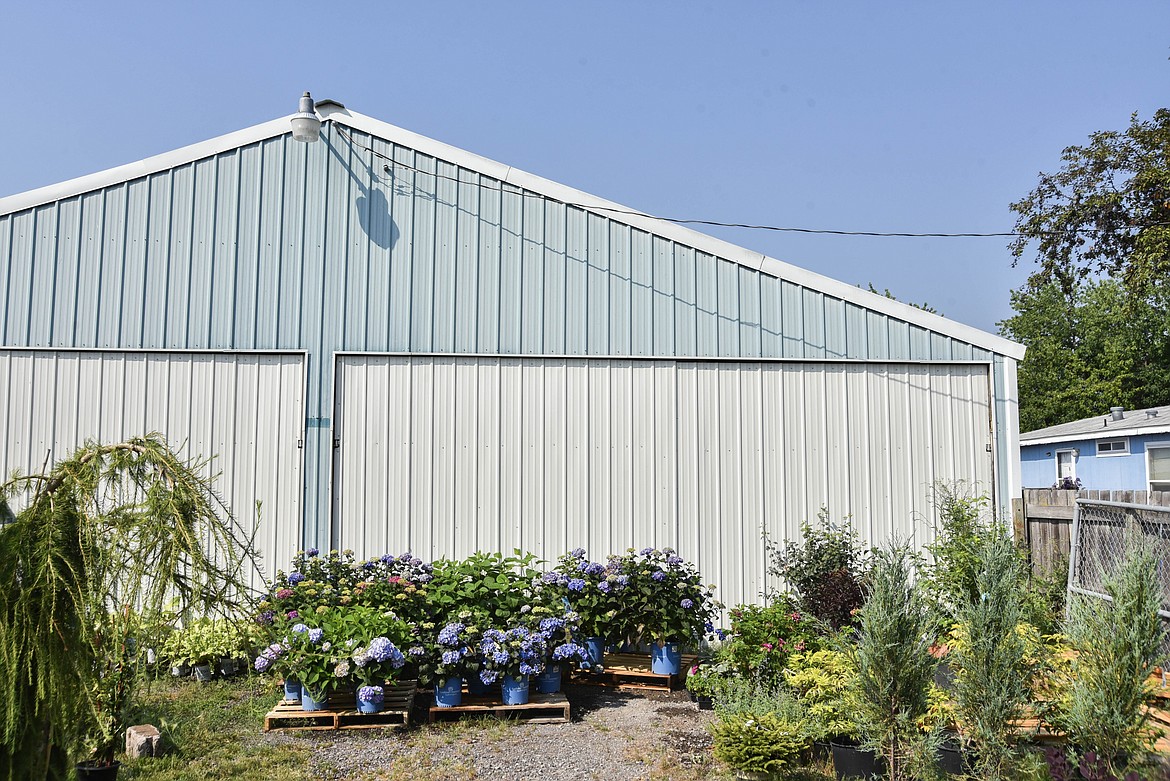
920, 117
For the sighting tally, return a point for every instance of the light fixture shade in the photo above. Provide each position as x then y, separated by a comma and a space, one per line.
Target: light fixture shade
306, 126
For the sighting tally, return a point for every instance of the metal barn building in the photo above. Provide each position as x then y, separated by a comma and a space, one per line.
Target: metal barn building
395, 344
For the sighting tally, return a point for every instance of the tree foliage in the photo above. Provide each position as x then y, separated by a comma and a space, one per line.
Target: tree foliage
1092, 347
111, 532
1106, 212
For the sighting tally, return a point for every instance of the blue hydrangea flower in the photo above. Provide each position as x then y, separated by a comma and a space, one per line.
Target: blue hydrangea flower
312, 553
315, 635
604, 586
622, 580
387, 558
551, 624
578, 553
417, 650
371, 694
449, 635
295, 577
406, 557
645, 551
686, 604
659, 575
262, 663
594, 568
382, 650
501, 657
576, 584
488, 676
673, 559
299, 628
549, 577
450, 657
583, 566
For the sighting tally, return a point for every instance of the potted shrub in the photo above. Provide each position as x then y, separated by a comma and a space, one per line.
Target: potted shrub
666, 604
706, 679
449, 658
561, 650
316, 664
895, 669
759, 731
375, 664
994, 653
596, 593
1104, 707
510, 657
763, 637
826, 569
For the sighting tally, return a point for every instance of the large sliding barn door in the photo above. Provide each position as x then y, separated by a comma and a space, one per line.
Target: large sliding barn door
244, 409
446, 455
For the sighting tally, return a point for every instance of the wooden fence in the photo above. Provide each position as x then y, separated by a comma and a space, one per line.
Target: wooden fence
1044, 518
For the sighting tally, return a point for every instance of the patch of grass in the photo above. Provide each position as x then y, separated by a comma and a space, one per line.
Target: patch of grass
211, 731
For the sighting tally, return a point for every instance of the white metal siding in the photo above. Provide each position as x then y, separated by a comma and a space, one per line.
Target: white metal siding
244, 409
445, 455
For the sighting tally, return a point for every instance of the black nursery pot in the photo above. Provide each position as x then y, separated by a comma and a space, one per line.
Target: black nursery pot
705, 703
90, 772
952, 759
850, 761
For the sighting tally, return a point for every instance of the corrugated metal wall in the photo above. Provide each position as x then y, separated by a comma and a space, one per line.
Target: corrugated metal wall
446, 455
326, 247
244, 408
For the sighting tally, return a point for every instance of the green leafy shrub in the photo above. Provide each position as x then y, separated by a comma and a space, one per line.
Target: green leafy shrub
826, 570
763, 637
490, 587
823, 681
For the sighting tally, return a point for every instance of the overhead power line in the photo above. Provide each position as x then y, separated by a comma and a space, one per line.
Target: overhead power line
392, 163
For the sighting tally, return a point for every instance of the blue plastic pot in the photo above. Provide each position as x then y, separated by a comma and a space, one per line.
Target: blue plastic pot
366, 706
309, 702
292, 689
449, 693
515, 690
549, 681
666, 659
595, 647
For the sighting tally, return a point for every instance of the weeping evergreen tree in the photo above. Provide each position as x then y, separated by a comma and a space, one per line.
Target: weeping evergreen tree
112, 532
895, 668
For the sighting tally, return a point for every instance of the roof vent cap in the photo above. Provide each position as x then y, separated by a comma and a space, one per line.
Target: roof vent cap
1151, 413
1118, 413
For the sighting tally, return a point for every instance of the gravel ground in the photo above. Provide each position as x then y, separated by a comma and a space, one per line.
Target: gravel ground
612, 735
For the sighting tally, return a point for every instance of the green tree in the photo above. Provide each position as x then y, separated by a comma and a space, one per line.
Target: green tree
1106, 212
1095, 345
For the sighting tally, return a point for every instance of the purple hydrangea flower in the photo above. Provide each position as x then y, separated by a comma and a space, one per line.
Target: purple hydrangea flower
295, 577
578, 553
549, 577
266, 617
382, 650
406, 557
673, 559
659, 575
262, 663
312, 553
645, 551
371, 694
576, 584
622, 580
686, 604
604, 586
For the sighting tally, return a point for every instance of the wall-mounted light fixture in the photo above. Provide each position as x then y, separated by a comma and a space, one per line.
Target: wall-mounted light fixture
306, 125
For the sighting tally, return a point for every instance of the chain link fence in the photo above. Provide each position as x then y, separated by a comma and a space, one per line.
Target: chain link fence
1100, 536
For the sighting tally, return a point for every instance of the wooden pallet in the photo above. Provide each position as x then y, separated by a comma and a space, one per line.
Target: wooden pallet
343, 713
540, 709
631, 672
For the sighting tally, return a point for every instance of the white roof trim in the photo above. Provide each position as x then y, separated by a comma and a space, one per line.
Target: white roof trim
536, 184
1103, 434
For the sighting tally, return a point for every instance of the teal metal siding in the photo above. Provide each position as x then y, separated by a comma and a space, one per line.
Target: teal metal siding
281, 245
